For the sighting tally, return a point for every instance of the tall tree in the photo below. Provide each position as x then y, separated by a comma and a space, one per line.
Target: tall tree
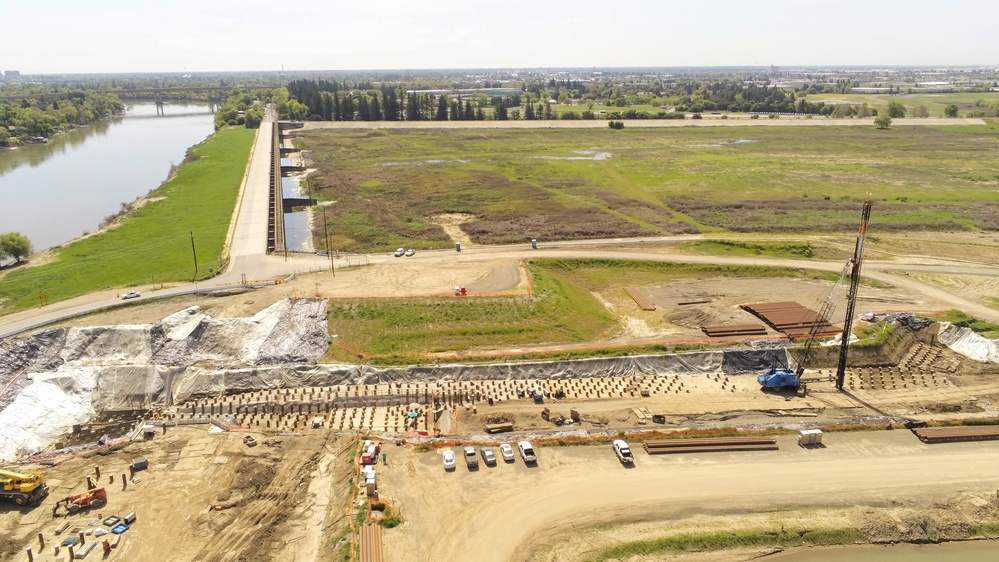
895, 110
363, 109
950, 111
412, 106
376, 108
882, 121
441, 114
15, 245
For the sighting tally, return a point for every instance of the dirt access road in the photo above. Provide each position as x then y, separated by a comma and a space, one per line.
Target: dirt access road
511, 511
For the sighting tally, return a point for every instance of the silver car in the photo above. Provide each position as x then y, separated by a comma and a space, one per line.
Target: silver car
488, 456
506, 451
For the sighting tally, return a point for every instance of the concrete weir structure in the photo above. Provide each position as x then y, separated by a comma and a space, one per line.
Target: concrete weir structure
281, 166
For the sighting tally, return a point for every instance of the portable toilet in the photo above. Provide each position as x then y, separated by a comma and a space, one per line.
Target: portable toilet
457, 246
805, 437
534, 243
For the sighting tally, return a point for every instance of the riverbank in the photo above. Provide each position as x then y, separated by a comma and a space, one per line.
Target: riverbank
151, 243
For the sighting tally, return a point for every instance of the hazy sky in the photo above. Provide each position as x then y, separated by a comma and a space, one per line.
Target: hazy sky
64, 36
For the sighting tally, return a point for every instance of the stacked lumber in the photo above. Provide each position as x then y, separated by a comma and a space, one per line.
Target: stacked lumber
791, 318
956, 434
725, 330
640, 299
710, 445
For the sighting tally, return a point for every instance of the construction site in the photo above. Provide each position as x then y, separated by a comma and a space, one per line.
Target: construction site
218, 422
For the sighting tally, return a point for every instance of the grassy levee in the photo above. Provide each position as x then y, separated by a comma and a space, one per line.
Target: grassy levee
721, 540
562, 184
151, 244
562, 310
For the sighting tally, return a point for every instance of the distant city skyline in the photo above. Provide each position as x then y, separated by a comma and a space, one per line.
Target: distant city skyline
108, 36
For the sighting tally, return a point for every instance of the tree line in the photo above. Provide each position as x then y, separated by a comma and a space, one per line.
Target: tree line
23, 121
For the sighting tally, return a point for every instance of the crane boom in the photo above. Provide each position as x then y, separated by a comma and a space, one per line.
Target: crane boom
851, 299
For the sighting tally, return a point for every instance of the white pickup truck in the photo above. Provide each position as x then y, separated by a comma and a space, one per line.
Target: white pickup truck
527, 451
623, 452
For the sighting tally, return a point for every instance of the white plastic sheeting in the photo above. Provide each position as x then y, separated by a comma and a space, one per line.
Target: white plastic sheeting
196, 382
80, 371
77, 372
968, 343
46, 409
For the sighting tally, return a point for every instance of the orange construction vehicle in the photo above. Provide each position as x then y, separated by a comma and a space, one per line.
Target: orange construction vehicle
91, 498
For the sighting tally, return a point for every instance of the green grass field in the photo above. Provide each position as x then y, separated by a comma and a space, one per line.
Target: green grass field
151, 244
599, 183
935, 103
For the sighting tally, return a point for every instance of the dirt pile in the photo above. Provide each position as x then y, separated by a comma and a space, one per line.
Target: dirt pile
950, 520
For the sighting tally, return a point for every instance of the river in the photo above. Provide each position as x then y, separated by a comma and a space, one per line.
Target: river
55, 192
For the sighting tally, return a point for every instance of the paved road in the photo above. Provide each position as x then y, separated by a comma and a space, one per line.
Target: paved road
251, 260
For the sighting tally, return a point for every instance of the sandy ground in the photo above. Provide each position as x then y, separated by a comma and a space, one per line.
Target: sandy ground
279, 499
556, 510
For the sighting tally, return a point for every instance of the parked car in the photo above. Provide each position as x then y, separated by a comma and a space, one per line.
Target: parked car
449, 463
527, 451
410, 252
471, 460
506, 451
399, 252
131, 295
488, 456
623, 452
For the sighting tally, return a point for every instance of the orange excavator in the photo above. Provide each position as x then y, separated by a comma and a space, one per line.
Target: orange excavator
91, 498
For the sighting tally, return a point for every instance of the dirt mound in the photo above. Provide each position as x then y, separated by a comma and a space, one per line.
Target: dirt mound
945, 521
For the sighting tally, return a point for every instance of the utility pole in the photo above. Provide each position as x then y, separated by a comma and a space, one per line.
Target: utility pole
329, 251
195, 254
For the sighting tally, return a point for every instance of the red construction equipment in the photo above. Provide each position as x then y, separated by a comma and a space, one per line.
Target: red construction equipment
91, 498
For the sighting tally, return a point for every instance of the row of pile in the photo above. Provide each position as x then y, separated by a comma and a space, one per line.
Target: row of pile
710, 445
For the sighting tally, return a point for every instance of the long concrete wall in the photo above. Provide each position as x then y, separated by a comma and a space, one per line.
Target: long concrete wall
275, 220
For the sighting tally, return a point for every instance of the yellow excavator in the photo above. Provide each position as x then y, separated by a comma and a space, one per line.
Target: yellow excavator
23, 488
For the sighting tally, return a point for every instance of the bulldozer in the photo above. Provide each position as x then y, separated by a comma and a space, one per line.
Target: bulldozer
23, 488
91, 498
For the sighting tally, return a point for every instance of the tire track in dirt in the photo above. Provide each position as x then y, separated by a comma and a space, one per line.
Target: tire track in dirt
249, 537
